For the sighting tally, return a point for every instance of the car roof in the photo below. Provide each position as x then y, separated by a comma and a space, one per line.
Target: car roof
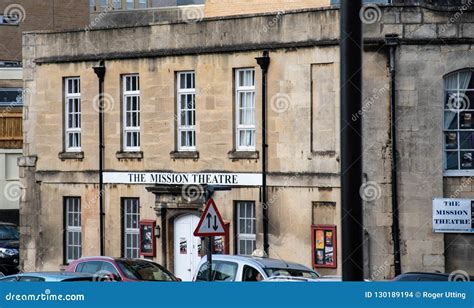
105, 258
424, 274
95, 258
263, 262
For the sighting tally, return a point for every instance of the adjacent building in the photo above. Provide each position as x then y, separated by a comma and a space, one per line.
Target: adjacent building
17, 16
184, 118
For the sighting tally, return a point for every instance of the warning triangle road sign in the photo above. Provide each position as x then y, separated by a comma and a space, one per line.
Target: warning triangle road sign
211, 223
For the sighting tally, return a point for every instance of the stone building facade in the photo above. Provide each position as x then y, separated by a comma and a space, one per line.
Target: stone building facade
144, 64
17, 16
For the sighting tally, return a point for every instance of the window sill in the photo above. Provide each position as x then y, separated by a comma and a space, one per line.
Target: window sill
71, 156
458, 173
185, 155
129, 155
238, 155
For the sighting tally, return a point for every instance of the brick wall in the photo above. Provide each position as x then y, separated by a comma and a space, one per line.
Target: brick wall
39, 15
237, 7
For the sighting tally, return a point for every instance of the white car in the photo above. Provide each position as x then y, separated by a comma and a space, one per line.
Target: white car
240, 268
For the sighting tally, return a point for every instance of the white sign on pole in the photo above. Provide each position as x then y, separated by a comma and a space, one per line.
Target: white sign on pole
452, 216
211, 223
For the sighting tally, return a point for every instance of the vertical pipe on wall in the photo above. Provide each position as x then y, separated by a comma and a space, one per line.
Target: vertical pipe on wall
100, 72
391, 40
351, 141
264, 63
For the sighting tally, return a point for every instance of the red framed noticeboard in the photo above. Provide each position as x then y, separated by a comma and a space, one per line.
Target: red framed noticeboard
220, 244
147, 238
324, 246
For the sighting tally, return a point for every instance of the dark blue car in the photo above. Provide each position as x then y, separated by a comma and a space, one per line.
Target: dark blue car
9, 244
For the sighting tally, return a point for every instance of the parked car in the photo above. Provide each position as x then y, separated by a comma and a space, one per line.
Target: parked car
9, 254
49, 277
121, 269
240, 268
419, 276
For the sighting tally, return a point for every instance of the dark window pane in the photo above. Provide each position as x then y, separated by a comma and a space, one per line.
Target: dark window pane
452, 160
467, 140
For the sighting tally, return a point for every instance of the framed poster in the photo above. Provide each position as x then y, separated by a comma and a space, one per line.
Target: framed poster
324, 246
220, 244
147, 238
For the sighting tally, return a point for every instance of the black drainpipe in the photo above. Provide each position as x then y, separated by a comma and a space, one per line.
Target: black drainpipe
100, 72
391, 40
264, 63
351, 141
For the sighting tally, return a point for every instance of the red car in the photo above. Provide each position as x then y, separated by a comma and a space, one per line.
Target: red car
119, 269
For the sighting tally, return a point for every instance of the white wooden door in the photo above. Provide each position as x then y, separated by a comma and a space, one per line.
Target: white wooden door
186, 255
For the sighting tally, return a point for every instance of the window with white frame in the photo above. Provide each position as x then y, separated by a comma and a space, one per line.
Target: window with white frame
131, 219
129, 4
131, 113
72, 213
104, 4
459, 122
245, 109
142, 4
246, 227
186, 111
72, 114
117, 4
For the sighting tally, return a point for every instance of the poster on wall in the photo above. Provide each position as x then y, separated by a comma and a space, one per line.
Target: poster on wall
183, 246
324, 246
453, 215
147, 238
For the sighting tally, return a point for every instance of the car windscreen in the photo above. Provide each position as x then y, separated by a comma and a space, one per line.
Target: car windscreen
80, 279
142, 270
9, 233
275, 272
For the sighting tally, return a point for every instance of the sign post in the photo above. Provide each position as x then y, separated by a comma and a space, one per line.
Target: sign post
210, 224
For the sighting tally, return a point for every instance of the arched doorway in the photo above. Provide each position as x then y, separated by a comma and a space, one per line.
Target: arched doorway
186, 254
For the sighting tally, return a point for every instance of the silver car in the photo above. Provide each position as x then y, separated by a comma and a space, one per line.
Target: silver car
240, 268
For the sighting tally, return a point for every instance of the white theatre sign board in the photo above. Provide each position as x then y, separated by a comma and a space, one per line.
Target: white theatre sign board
166, 178
452, 216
